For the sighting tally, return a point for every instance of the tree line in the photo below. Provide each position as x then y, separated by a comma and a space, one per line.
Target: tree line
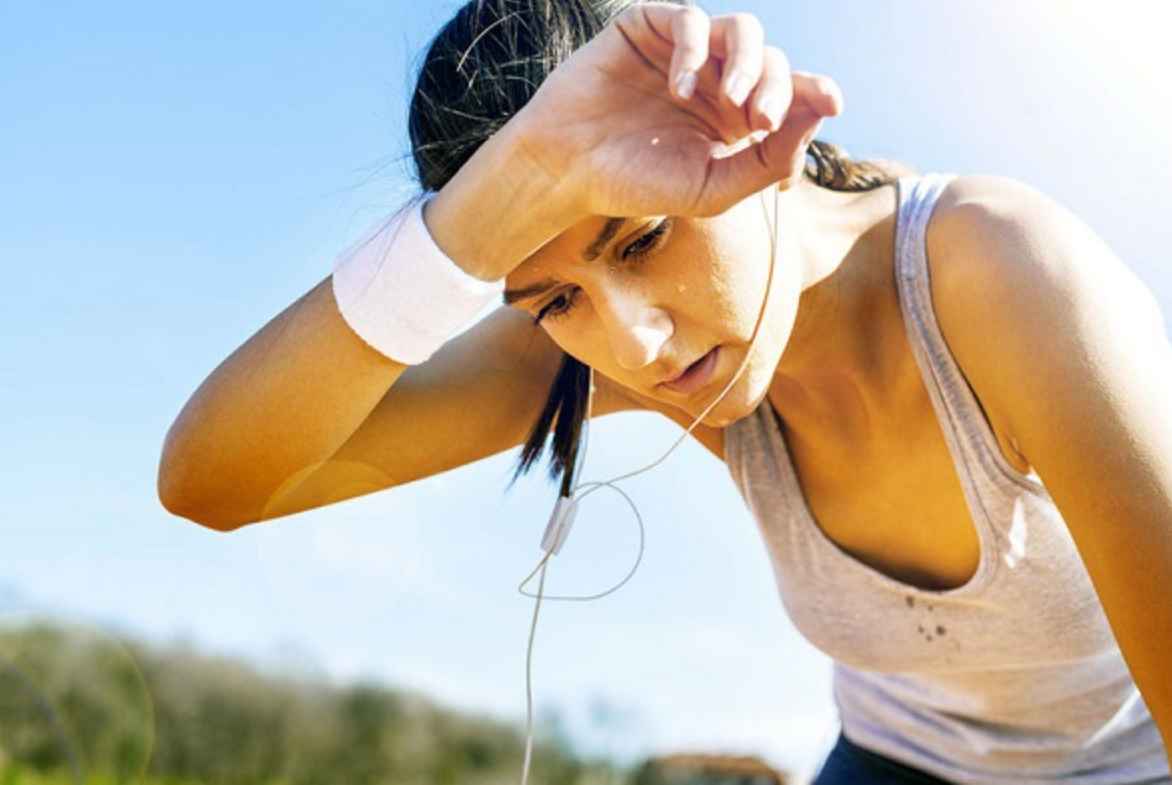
81, 706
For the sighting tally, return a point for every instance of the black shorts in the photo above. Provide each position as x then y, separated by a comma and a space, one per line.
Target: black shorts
850, 764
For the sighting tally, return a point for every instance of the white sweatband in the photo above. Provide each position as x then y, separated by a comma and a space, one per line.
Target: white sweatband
401, 294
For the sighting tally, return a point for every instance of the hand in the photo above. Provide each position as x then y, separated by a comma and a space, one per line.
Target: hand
640, 120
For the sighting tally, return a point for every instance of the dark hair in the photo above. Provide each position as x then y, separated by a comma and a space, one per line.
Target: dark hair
480, 69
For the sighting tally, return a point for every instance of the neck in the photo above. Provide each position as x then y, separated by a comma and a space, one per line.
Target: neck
837, 357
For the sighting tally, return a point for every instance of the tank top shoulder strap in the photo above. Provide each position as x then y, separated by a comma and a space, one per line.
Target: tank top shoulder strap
966, 428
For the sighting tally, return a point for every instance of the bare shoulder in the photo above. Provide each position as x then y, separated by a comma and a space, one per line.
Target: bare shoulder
1019, 282
1005, 229
997, 234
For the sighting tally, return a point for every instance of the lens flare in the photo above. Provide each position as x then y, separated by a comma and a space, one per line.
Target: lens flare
72, 699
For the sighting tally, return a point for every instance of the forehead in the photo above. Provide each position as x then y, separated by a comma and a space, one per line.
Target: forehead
582, 243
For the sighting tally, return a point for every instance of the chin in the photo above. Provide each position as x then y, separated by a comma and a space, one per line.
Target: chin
742, 400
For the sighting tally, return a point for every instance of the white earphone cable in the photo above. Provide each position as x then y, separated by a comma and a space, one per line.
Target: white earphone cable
588, 488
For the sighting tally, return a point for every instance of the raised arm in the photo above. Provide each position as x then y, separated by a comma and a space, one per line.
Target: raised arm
273, 414
637, 122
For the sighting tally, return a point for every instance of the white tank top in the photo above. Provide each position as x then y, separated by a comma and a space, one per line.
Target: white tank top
1013, 677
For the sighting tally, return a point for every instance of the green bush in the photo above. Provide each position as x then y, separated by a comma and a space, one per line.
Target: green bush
79, 705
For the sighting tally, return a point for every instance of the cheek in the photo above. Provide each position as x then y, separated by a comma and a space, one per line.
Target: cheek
576, 337
739, 278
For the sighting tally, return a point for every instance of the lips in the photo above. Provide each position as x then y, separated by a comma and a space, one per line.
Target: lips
695, 376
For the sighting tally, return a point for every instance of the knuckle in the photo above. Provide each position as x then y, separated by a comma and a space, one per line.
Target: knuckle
689, 20
748, 25
776, 59
692, 27
692, 13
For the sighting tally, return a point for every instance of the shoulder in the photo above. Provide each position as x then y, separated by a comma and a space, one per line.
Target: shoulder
1027, 294
996, 234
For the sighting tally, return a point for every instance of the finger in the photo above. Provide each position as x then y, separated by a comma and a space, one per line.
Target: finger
780, 158
690, 29
820, 92
783, 153
744, 47
774, 93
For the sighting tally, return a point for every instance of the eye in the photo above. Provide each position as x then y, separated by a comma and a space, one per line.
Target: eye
557, 307
649, 241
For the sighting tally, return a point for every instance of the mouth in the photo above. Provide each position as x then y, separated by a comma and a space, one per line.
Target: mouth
695, 376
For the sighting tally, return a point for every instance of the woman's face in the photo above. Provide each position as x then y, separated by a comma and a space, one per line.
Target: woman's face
666, 307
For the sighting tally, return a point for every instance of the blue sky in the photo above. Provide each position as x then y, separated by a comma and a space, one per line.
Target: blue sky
173, 175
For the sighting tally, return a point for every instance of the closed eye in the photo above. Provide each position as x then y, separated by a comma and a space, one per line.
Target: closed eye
641, 247
558, 306
649, 241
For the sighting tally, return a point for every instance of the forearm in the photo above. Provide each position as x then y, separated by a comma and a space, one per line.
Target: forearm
278, 406
285, 401
500, 207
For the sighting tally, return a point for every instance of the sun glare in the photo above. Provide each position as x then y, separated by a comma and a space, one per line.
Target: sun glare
1126, 42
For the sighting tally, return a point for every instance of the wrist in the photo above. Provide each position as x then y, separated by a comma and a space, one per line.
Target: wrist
398, 291
501, 207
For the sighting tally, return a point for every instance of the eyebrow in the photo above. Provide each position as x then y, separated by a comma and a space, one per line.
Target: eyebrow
592, 252
607, 234
513, 296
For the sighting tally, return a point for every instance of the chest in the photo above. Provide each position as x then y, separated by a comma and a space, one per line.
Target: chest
833, 530
893, 499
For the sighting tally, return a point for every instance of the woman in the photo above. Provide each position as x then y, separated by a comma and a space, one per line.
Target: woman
945, 401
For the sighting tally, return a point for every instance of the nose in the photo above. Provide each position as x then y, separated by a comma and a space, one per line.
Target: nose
638, 330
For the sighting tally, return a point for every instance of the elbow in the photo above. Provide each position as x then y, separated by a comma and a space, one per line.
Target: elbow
182, 495
182, 506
